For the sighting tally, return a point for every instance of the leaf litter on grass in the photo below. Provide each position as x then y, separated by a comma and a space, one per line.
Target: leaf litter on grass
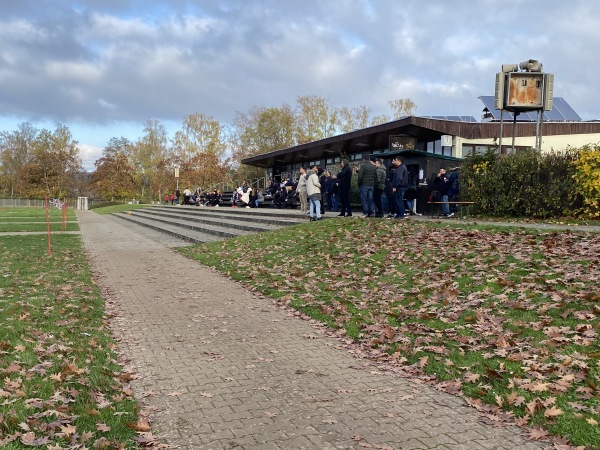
62, 382
507, 318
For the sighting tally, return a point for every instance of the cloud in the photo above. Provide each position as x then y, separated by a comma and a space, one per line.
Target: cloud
89, 154
107, 62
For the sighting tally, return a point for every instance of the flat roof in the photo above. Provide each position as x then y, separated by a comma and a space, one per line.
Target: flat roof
423, 128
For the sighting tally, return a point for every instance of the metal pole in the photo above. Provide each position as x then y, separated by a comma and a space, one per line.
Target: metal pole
541, 129
537, 131
541, 113
515, 114
501, 131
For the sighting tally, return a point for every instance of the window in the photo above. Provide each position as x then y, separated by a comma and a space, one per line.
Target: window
314, 163
356, 157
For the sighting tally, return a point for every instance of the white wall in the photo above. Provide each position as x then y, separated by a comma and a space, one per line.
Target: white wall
549, 143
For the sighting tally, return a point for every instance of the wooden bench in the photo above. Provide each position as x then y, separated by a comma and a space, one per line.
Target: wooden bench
460, 205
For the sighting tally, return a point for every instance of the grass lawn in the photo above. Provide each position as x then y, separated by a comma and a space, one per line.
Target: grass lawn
62, 384
508, 318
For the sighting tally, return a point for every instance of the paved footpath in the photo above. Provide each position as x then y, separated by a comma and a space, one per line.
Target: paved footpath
229, 370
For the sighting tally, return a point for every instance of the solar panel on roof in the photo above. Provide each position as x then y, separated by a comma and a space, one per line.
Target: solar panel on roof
565, 109
561, 111
453, 118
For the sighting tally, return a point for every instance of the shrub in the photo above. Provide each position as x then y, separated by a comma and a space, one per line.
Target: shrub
103, 203
526, 184
587, 180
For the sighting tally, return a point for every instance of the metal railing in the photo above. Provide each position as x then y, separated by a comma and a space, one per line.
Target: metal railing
255, 183
32, 202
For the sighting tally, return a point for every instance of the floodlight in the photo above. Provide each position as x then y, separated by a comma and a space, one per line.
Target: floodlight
531, 65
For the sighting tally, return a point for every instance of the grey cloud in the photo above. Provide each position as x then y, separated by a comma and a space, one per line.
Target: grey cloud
106, 61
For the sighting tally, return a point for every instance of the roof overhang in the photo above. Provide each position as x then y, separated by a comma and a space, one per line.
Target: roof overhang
366, 139
424, 129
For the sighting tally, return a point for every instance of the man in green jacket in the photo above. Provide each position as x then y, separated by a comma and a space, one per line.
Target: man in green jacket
367, 178
379, 187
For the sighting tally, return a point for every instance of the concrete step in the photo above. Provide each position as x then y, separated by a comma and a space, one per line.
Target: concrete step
256, 215
202, 224
173, 229
205, 222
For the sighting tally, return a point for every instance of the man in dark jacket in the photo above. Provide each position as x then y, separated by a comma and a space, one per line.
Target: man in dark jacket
344, 182
454, 187
441, 184
399, 185
367, 178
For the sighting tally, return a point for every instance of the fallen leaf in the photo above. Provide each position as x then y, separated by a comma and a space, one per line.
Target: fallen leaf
553, 412
102, 427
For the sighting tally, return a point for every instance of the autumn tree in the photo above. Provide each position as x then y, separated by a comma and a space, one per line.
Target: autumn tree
198, 149
350, 119
315, 119
114, 176
54, 166
16, 150
116, 146
147, 153
200, 134
260, 130
402, 107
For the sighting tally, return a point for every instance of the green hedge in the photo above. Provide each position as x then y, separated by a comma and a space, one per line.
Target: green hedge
526, 184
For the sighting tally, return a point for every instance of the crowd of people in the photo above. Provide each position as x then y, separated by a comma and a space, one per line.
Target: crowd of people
317, 190
198, 197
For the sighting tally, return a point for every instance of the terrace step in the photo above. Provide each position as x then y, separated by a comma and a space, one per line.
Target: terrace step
203, 224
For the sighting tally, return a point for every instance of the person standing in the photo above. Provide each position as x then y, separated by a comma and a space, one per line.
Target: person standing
301, 188
441, 184
379, 187
344, 182
453, 188
399, 185
313, 189
332, 193
389, 193
411, 193
323, 180
367, 177
186, 196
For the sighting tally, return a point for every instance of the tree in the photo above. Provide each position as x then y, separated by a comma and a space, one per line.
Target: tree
402, 107
315, 119
117, 146
54, 166
204, 171
198, 148
350, 119
261, 130
114, 176
147, 153
200, 134
16, 151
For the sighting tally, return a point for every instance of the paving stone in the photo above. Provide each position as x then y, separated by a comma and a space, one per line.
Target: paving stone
243, 373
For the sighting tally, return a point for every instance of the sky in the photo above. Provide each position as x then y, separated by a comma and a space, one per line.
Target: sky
103, 67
